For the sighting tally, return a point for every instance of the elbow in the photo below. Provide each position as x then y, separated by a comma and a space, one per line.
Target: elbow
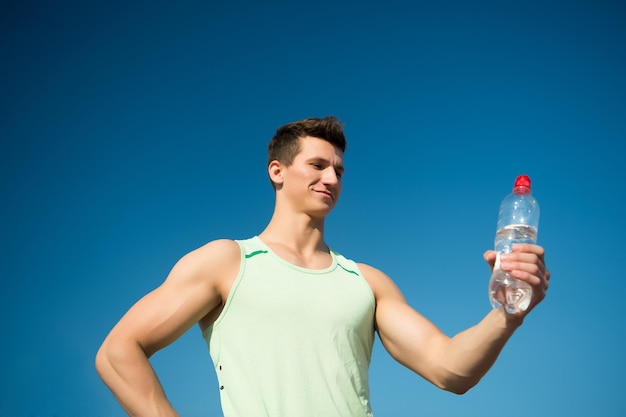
116, 354
102, 362
459, 389
108, 358
458, 384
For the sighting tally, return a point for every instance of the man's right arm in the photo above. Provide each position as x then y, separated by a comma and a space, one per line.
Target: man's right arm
195, 289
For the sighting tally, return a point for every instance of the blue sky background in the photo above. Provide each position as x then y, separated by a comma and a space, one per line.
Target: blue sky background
133, 133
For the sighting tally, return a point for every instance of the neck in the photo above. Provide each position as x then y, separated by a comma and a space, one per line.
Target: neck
299, 240
299, 232
296, 230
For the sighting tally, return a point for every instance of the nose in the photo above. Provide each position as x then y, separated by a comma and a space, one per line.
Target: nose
330, 176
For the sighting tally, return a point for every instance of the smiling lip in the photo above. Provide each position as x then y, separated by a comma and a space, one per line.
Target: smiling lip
328, 194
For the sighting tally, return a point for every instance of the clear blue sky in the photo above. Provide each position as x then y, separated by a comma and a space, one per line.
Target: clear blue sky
134, 133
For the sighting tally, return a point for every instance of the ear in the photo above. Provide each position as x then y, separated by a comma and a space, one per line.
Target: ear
275, 171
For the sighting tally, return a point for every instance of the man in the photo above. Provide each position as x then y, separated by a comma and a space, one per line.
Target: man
289, 322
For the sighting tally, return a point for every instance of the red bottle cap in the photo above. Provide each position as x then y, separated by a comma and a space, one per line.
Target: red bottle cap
522, 185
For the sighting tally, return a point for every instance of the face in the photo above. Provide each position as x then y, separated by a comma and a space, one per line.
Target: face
312, 183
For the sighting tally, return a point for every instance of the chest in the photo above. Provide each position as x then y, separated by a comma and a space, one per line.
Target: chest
275, 295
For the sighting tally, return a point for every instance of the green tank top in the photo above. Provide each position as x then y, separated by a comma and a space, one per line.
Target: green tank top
291, 341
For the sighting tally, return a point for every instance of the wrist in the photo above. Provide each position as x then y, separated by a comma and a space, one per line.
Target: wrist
505, 321
512, 321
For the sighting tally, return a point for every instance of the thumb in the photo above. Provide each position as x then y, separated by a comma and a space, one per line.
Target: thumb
490, 257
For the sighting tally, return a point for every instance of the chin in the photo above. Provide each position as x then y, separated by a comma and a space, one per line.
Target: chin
321, 213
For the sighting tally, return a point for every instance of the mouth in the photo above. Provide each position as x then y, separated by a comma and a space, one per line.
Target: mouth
327, 194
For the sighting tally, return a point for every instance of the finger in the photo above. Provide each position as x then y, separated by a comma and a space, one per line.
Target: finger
513, 259
526, 267
529, 248
522, 257
528, 273
490, 257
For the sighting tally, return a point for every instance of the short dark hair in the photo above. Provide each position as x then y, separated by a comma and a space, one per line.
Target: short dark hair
285, 144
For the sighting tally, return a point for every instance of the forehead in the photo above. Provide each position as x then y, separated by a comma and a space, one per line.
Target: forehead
312, 147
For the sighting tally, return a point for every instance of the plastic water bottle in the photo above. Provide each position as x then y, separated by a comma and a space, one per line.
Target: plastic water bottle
518, 221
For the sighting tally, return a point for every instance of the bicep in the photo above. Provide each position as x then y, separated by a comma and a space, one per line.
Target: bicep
160, 317
190, 292
409, 337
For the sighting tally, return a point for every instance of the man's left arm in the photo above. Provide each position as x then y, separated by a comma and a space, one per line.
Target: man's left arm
456, 363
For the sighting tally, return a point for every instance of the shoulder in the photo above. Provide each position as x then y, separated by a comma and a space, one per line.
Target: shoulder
216, 258
382, 285
221, 249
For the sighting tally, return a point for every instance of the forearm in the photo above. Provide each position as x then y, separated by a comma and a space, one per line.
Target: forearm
128, 374
471, 353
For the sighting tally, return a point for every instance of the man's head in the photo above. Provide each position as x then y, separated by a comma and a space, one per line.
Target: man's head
285, 144
305, 165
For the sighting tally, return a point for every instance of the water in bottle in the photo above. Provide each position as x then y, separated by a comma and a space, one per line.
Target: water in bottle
518, 220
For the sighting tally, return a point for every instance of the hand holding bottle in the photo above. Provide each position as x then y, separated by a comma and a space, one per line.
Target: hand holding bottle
526, 263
